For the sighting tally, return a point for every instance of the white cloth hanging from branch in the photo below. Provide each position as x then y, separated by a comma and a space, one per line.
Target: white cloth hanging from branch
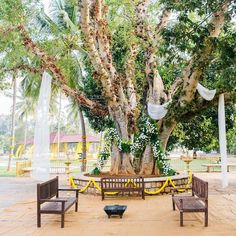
157, 112
206, 93
41, 157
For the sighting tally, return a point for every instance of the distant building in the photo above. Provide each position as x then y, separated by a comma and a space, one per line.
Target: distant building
70, 144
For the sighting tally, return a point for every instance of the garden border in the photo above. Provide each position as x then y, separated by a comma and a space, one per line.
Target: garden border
153, 185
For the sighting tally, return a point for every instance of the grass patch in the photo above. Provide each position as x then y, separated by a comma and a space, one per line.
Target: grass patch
5, 173
195, 165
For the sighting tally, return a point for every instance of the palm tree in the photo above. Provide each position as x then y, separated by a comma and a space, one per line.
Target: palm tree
61, 18
75, 114
11, 153
65, 16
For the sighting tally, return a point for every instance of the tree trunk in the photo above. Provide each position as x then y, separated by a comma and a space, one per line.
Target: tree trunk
121, 121
11, 153
126, 164
115, 160
147, 161
25, 134
84, 143
137, 164
165, 133
59, 127
156, 170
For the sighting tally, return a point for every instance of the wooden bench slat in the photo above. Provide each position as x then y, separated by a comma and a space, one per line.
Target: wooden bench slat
190, 204
121, 189
122, 185
56, 206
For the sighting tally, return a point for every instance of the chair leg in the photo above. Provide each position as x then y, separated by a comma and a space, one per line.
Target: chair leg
62, 220
173, 204
206, 218
181, 219
39, 220
102, 195
76, 206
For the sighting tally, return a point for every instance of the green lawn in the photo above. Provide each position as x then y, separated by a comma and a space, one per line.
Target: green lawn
176, 164
5, 173
195, 165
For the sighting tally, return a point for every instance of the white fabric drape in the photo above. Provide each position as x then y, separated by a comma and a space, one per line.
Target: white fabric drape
157, 112
222, 139
41, 157
206, 93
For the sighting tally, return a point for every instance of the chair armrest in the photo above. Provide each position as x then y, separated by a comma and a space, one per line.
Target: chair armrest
201, 199
53, 200
68, 189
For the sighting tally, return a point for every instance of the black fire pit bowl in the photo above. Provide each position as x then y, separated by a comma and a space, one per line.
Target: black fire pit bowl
115, 210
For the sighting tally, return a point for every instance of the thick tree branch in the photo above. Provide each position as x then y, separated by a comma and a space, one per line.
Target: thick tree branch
130, 77
25, 67
89, 39
164, 20
103, 36
201, 105
94, 56
151, 41
196, 65
174, 87
50, 63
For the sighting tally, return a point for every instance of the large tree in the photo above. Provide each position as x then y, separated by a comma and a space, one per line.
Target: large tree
201, 132
134, 52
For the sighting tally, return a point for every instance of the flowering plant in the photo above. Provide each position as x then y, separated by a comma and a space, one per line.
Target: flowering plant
148, 134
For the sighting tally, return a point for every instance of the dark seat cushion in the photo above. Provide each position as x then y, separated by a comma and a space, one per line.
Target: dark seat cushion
190, 204
50, 207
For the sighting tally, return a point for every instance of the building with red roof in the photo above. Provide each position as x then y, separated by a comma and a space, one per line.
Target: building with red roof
69, 144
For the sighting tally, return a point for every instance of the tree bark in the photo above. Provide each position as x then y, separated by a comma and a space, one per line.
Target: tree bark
165, 133
59, 127
126, 164
147, 164
13, 121
84, 143
115, 160
25, 133
122, 124
137, 164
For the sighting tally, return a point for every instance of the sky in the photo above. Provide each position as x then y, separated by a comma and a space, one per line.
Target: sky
6, 99
5, 104
46, 4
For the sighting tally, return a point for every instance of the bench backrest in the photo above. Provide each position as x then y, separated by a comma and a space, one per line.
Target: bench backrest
47, 190
122, 182
199, 187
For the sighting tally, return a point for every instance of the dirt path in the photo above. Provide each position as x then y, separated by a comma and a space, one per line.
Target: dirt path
151, 217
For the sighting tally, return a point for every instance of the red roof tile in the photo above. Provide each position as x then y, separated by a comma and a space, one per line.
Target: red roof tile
68, 138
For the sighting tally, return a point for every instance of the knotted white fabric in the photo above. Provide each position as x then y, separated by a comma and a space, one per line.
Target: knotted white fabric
41, 157
157, 112
206, 93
